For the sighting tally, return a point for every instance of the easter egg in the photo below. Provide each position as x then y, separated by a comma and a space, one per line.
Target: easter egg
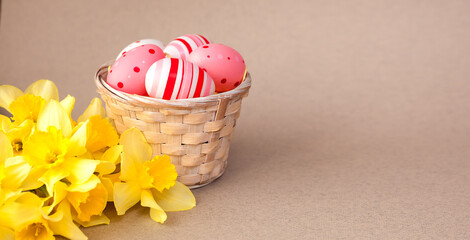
182, 46
127, 74
173, 78
225, 65
140, 43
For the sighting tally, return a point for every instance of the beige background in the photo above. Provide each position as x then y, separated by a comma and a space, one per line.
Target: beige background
357, 125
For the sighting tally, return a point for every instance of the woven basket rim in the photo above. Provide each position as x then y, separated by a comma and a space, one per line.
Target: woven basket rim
138, 100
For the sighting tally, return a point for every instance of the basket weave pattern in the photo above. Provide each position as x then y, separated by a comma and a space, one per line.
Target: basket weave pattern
195, 133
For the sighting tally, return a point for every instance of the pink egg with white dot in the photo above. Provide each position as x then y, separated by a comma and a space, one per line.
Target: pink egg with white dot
182, 46
174, 78
140, 43
127, 74
224, 64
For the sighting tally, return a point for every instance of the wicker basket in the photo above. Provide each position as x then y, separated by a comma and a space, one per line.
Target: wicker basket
195, 133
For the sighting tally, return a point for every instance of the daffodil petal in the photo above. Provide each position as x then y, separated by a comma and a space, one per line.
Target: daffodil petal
68, 103
87, 155
44, 88
8, 94
78, 140
66, 227
129, 170
53, 114
6, 150
113, 154
177, 198
52, 176
32, 180
54, 217
109, 185
15, 175
105, 167
29, 198
156, 212
86, 186
15, 160
7, 194
126, 195
135, 144
95, 108
5, 123
108, 182
95, 220
60, 193
109, 159
6, 233
80, 169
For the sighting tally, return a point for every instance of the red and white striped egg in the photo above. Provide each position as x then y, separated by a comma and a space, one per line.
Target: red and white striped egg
224, 64
140, 43
173, 78
182, 46
127, 74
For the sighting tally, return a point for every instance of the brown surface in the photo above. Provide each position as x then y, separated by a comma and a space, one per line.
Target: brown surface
357, 125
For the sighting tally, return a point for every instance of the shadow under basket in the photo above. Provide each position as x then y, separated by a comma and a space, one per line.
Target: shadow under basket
195, 133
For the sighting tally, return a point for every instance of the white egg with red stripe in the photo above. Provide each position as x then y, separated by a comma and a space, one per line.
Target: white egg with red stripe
182, 46
172, 78
140, 43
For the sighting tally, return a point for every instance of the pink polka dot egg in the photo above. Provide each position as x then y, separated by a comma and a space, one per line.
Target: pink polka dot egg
224, 64
173, 78
127, 74
182, 46
140, 43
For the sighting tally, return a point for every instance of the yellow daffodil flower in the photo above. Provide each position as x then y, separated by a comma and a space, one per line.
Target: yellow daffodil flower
53, 150
26, 107
42, 88
27, 218
65, 226
13, 173
53, 114
101, 139
13, 170
23, 215
152, 181
54, 156
19, 134
38, 229
87, 200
